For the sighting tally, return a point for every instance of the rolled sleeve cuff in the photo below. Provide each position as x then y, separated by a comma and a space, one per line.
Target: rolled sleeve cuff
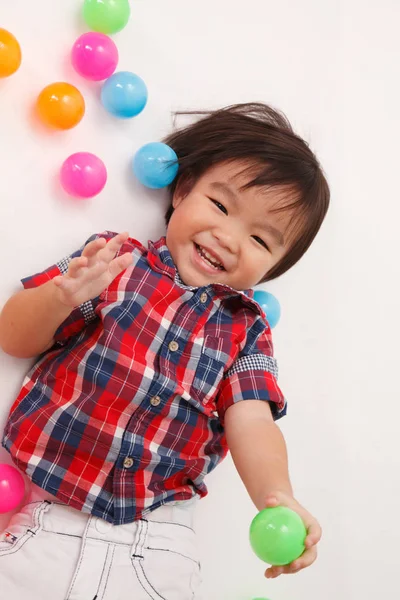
80, 316
252, 378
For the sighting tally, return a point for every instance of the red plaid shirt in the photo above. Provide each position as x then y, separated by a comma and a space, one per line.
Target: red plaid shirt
125, 412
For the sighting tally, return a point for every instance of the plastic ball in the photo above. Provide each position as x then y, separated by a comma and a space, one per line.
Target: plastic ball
83, 175
10, 53
277, 535
61, 105
94, 56
155, 165
106, 16
124, 95
12, 488
270, 306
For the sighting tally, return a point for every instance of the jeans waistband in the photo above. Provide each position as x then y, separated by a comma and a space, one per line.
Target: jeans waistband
60, 518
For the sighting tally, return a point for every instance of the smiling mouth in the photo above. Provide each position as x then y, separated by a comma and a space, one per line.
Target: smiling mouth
209, 259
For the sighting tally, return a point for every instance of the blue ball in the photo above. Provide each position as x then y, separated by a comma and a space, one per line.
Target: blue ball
124, 95
270, 306
155, 165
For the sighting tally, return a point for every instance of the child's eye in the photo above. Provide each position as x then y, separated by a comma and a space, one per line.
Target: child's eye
260, 241
220, 206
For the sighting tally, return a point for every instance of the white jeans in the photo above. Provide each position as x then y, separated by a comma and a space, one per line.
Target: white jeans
50, 551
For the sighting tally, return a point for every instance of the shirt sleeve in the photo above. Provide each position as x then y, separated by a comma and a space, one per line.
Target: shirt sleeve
81, 315
254, 374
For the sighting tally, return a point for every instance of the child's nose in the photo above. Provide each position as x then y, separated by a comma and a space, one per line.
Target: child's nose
228, 240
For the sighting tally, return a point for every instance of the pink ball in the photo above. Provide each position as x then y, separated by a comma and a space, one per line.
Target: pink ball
12, 488
83, 175
94, 56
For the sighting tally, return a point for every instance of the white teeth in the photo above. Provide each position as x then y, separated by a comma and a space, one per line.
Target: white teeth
209, 257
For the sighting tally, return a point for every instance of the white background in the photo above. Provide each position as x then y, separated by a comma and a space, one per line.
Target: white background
333, 68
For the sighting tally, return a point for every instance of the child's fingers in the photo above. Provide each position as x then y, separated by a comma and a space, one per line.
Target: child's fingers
76, 265
93, 247
120, 263
314, 531
273, 572
305, 560
113, 246
314, 534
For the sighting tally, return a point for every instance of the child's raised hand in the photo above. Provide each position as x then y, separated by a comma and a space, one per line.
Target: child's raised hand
89, 274
314, 533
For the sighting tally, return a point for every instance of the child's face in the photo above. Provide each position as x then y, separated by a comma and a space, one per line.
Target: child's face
237, 228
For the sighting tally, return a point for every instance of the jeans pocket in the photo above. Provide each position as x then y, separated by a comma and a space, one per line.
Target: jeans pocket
167, 575
167, 565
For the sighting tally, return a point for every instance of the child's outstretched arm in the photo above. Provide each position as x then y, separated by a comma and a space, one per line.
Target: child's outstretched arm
259, 452
30, 318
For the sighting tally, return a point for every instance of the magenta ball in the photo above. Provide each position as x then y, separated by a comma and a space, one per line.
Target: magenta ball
83, 175
12, 488
94, 56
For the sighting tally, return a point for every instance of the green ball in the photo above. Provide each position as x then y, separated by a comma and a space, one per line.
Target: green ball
106, 16
277, 535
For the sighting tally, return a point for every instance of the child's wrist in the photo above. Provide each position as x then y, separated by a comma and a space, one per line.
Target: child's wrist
61, 305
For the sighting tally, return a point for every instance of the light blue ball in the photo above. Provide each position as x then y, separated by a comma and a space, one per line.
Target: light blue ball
124, 95
155, 165
270, 306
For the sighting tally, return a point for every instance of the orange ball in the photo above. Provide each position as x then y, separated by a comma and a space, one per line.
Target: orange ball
10, 53
61, 105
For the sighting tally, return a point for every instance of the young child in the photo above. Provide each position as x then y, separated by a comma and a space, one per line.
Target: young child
154, 361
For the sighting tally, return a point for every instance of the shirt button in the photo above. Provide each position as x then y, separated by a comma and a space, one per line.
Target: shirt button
203, 298
128, 462
155, 400
173, 346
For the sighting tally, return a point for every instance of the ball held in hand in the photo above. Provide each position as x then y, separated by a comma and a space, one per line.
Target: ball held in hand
277, 535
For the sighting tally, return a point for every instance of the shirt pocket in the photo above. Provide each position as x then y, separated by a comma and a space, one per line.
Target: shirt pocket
217, 355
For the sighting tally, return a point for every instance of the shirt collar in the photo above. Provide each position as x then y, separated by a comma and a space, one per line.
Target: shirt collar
160, 259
